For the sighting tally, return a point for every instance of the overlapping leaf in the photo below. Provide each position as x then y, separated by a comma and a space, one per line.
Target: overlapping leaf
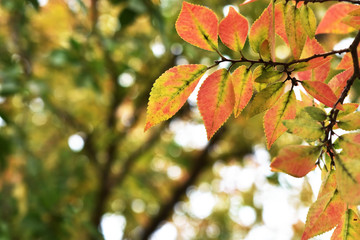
348, 178
321, 92
233, 30
350, 144
243, 88
326, 212
339, 81
296, 160
349, 227
284, 108
266, 75
294, 29
346, 62
265, 98
305, 128
198, 26
308, 20
350, 122
216, 100
316, 69
170, 91
353, 19
332, 21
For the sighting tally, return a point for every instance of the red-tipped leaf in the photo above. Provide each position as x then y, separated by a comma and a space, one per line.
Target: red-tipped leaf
243, 88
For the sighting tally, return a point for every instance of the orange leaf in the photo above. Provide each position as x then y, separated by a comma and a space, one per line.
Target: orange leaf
325, 213
233, 30
170, 91
296, 160
265, 27
349, 227
338, 82
216, 100
346, 62
353, 19
321, 92
198, 26
350, 144
284, 108
332, 21
243, 88
316, 69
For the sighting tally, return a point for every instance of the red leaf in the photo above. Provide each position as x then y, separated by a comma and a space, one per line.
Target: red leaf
346, 62
296, 160
338, 82
216, 100
332, 21
233, 30
283, 109
321, 92
198, 26
243, 88
170, 91
325, 213
316, 69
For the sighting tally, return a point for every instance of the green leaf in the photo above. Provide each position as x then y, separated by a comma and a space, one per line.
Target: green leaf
308, 20
265, 99
348, 178
350, 144
307, 129
316, 113
267, 75
350, 122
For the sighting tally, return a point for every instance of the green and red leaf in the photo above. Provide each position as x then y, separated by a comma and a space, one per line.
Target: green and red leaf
326, 212
198, 26
216, 100
332, 21
296, 160
339, 81
305, 128
233, 30
170, 92
350, 144
348, 228
243, 88
265, 99
348, 178
308, 20
284, 108
295, 32
353, 19
322, 92
350, 122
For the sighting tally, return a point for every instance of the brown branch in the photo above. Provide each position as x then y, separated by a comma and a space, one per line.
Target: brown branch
201, 163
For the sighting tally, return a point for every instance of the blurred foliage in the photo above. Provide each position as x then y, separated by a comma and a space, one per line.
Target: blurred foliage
85, 68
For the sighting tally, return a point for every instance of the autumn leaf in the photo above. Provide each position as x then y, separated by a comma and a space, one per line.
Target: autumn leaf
296, 160
321, 92
350, 122
233, 30
294, 29
284, 108
316, 69
316, 113
348, 108
348, 178
216, 100
326, 211
170, 91
348, 228
350, 144
353, 19
265, 99
243, 88
267, 75
346, 62
339, 81
198, 26
308, 20
332, 21
305, 128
